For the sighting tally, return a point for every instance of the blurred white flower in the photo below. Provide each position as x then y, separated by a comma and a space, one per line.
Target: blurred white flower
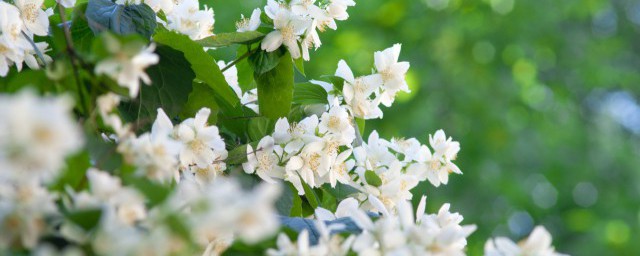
538, 243
36, 134
128, 70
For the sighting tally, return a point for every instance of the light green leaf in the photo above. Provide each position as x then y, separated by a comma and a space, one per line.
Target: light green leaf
201, 96
259, 127
226, 39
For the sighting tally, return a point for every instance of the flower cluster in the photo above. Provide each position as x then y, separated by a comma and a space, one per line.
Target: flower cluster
18, 25
392, 233
184, 16
36, 134
312, 151
364, 94
297, 23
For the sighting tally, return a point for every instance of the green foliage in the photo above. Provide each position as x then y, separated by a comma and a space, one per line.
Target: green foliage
170, 89
202, 64
372, 178
201, 96
262, 61
226, 39
309, 93
121, 19
275, 88
86, 219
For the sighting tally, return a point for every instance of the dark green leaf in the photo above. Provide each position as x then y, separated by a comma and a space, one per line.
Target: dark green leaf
106, 15
74, 172
226, 39
341, 191
259, 127
86, 219
308, 93
201, 96
245, 72
172, 82
203, 65
275, 89
372, 178
310, 195
262, 61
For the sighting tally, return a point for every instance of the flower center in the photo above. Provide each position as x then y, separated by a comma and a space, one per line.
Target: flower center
435, 164
287, 33
334, 123
197, 146
30, 12
265, 162
314, 161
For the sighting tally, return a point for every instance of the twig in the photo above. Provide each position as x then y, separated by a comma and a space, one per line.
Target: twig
72, 57
245, 55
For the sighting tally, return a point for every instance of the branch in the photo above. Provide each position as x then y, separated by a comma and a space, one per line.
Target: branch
72, 57
35, 48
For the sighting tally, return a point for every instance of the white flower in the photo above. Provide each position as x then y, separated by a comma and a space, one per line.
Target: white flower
443, 147
338, 8
187, 18
12, 43
250, 99
125, 203
339, 170
538, 243
165, 6
288, 29
337, 122
23, 209
295, 135
36, 134
203, 144
250, 24
309, 164
35, 19
392, 73
128, 70
264, 161
155, 154
357, 92
288, 248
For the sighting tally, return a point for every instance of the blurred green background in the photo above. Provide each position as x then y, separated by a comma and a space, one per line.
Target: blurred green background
542, 95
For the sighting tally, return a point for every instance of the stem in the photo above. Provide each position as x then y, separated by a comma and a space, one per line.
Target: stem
72, 58
35, 48
245, 55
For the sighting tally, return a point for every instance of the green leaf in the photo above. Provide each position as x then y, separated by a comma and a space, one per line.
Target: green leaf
245, 72
341, 191
275, 89
296, 207
262, 61
121, 19
372, 178
310, 195
259, 127
329, 201
203, 65
81, 33
338, 82
299, 63
201, 96
74, 172
171, 85
87, 219
308, 94
238, 155
226, 39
